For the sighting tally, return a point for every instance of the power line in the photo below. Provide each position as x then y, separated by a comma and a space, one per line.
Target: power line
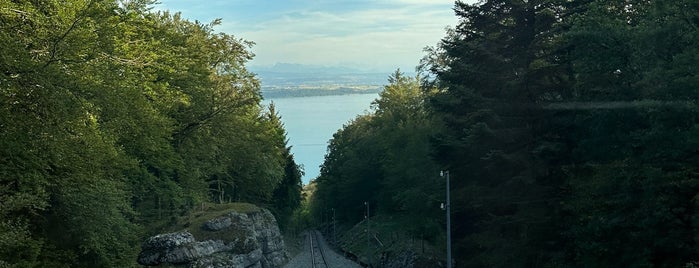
309, 144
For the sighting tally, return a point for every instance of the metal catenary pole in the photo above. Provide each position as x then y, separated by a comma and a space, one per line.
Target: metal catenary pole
448, 208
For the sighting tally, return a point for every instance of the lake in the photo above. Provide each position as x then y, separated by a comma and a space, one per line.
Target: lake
310, 123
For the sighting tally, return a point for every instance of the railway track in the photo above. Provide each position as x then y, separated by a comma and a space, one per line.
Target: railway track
317, 253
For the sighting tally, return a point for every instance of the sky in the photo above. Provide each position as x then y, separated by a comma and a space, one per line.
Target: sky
379, 35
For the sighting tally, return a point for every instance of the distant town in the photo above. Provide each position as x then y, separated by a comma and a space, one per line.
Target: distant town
290, 92
284, 80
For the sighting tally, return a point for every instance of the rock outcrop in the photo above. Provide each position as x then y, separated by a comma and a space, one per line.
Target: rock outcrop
235, 239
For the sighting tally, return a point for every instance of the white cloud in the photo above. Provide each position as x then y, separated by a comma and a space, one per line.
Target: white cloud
383, 38
375, 33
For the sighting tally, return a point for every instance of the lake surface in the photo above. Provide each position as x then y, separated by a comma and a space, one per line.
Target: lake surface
310, 123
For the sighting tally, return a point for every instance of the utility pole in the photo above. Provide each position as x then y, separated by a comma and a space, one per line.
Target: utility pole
368, 248
448, 208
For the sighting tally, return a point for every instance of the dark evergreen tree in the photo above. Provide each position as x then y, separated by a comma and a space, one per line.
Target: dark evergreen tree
286, 197
497, 70
634, 181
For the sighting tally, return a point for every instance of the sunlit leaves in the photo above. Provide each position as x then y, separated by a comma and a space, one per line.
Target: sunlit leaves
113, 118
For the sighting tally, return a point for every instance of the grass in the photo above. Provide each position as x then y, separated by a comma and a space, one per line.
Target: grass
387, 236
194, 221
293, 243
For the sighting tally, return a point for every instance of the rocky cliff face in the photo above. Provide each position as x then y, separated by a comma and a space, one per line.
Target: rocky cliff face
234, 239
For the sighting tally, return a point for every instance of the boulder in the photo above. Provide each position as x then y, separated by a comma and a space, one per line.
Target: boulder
217, 224
236, 239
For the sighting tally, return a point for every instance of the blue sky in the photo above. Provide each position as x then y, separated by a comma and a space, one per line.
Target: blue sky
368, 34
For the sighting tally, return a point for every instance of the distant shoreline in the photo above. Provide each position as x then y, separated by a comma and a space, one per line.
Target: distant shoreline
314, 92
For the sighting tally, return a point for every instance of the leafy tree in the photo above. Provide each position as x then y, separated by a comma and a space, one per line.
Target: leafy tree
114, 121
403, 126
350, 174
71, 198
384, 158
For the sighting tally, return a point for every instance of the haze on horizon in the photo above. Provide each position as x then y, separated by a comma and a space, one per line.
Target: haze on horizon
370, 35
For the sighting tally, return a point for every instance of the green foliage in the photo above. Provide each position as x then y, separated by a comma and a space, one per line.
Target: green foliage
640, 192
500, 64
383, 158
605, 184
569, 129
287, 196
195, 219
114, 121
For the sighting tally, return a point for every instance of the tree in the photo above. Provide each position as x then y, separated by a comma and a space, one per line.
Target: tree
66, 199
633, 183
351, 172
286, 197
385, 158
495, 71
570, 146
114, 121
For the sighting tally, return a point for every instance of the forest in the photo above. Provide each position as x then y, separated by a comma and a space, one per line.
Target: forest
116, 119
570, 130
